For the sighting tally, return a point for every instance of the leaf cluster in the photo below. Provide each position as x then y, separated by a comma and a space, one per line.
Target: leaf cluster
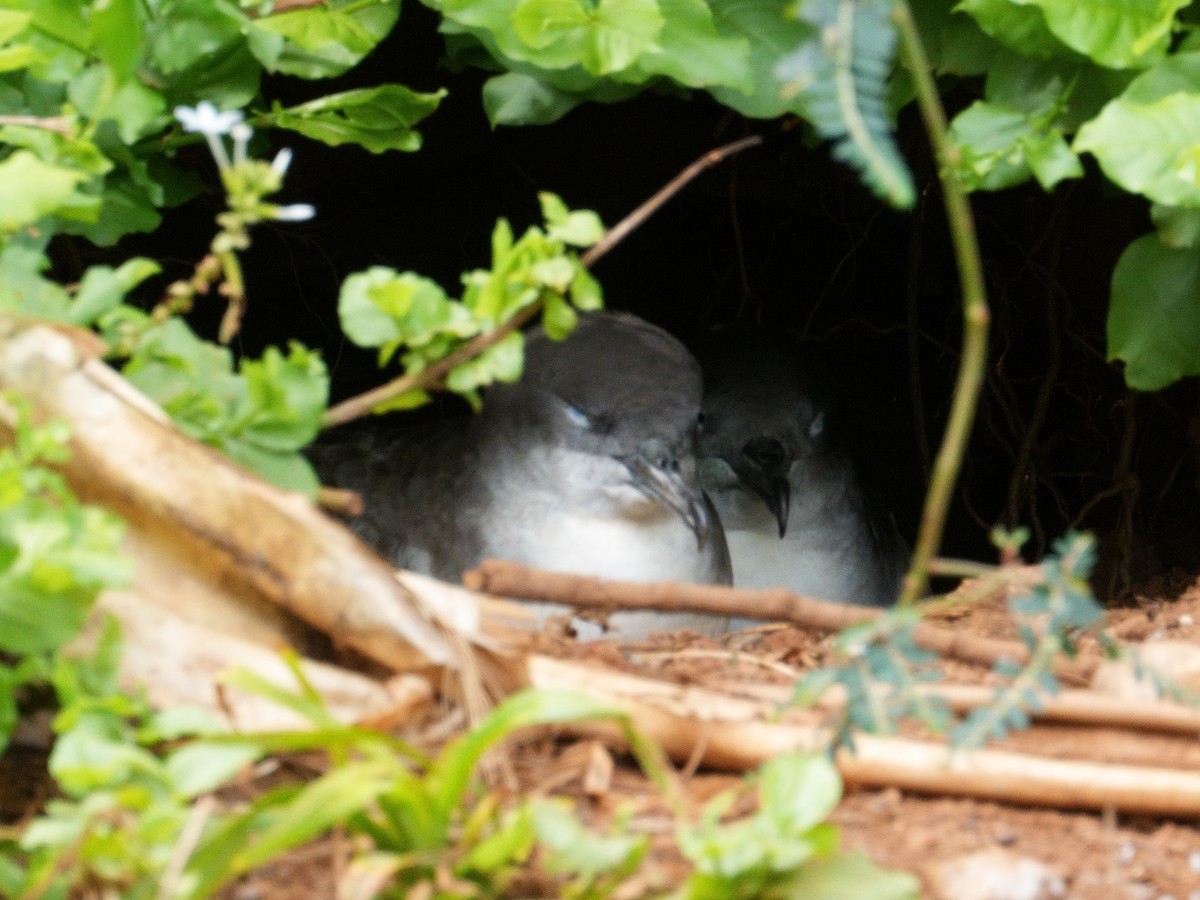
397, 311
130, 777
1119, 81
56, 555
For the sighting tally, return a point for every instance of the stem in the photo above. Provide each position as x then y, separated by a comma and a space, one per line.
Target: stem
975, 311
234, 289
58, 124
363, 403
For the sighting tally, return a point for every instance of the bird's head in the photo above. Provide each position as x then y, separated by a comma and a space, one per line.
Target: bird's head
762, 416
624, 397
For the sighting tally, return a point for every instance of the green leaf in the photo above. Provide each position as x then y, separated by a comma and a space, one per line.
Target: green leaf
103, 288
379, 118
135, 109
999, 147
586, 292
324, 41
117, 27
96, 754
558, 318
509, 844
12, 23
1154, 316
1117, 33
517, 99
770, 35
1072, 90
694, 51
581, 228
799, 790
1176, 227
1151, 149
1020, 26
503, 361
23, 290
607, 37
954, 42
842, 78
260, 417
380, 307
852, 876
17, 56
574, 850
199, 767
285, 397
565, 46
30, 189
124, 208
317, 806
407, 400
1177, 75
453, 768
229, 79
189, 31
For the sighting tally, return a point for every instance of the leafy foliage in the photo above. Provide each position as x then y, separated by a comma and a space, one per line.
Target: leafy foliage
88, 148
390, 310
1062, 604
426, 821
882, 672
261, 414
56, 555
785, 849
842, 76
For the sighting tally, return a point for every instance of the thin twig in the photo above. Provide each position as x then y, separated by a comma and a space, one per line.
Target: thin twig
363, 403
59, 124
975, 311
621, 230
509, 579
185, 846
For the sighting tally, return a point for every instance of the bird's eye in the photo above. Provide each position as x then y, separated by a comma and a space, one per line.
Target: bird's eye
817, 425
700, 418
578, 417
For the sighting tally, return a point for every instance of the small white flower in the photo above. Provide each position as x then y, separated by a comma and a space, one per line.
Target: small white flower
241, 137
297, 212
206, 119
282, 160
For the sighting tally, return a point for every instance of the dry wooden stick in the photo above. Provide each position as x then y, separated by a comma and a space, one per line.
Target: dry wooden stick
253, 539
739, 735
1068, 707
515, 580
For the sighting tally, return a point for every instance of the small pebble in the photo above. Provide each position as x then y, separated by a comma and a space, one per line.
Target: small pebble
994, 875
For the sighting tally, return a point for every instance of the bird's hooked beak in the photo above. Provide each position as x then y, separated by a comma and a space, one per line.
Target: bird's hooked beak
763, 466
655, 471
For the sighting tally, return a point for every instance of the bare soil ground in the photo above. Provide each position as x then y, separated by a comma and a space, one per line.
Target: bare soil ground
1094, 855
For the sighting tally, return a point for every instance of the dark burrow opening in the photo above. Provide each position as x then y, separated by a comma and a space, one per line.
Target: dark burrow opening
781, 235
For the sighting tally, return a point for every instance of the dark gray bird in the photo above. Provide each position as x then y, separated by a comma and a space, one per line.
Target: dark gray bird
585, 465
795, 511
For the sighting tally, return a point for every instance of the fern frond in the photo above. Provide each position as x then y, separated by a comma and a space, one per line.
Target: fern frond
841, 75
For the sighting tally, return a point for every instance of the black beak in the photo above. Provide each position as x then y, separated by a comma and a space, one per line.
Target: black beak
656, 473
763, 466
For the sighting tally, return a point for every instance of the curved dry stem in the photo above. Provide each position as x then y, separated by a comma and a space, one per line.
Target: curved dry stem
975, 311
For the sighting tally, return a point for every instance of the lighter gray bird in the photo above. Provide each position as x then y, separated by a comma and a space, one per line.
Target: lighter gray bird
794, 509
585, 465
